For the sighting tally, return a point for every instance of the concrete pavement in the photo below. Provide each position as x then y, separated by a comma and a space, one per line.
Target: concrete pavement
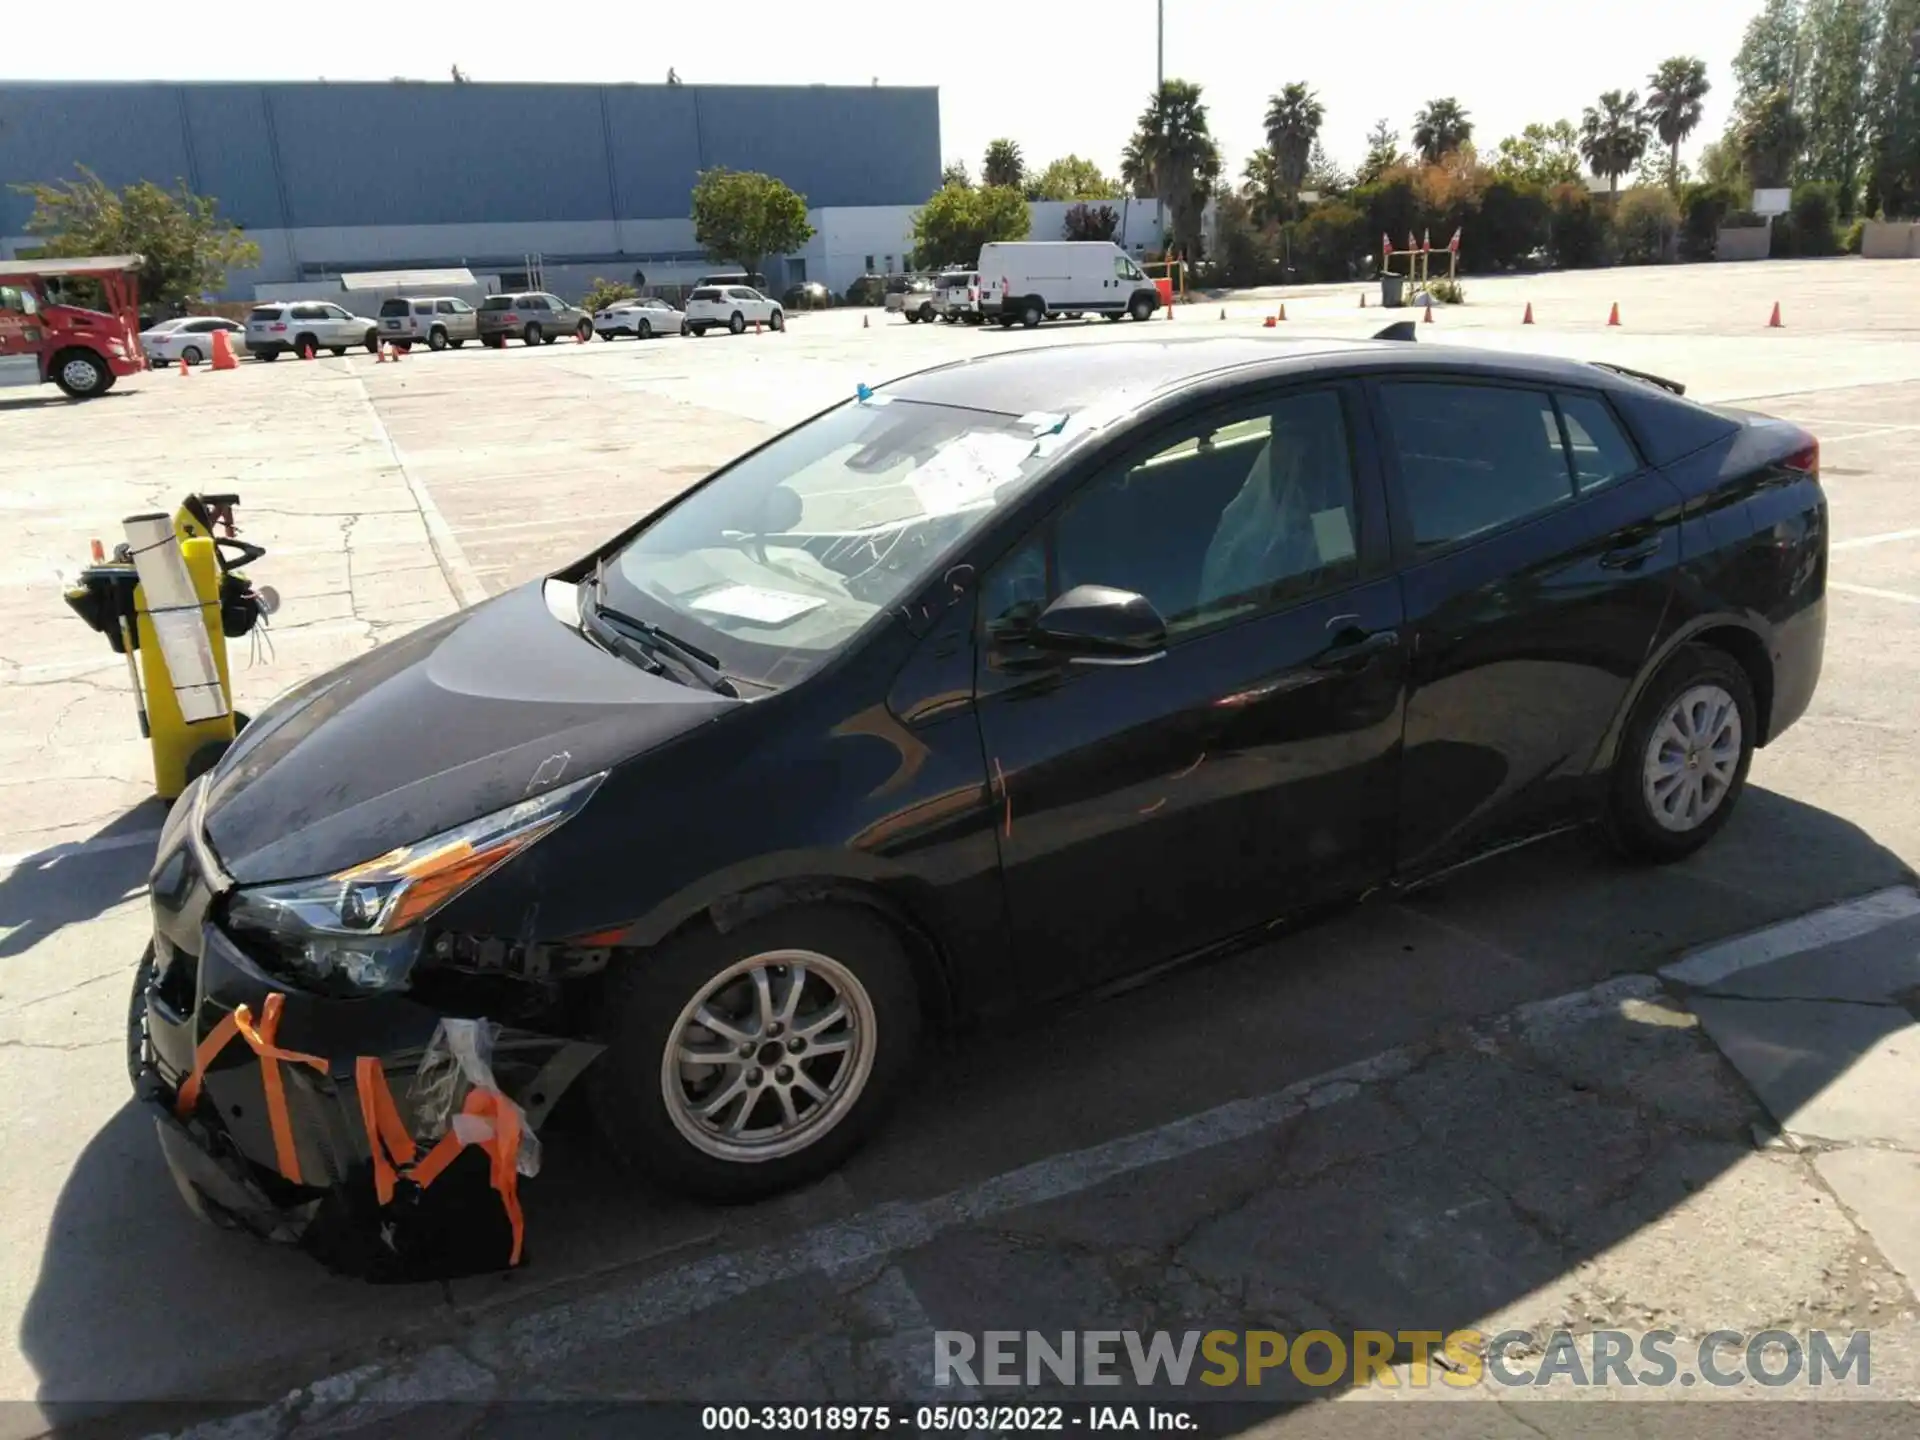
1601, 1163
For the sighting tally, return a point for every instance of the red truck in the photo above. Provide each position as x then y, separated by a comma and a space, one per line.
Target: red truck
44, 340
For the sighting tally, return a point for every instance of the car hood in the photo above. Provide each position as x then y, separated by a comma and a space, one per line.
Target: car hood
460, 718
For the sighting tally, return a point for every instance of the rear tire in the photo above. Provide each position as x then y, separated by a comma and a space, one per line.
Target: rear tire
1032, 312
738, 323
530, 336
137, 1016
645, 1103
436, 339
1684, 758
646, 330
1141, 308
493, 342
336, 350
371, 340
192, 355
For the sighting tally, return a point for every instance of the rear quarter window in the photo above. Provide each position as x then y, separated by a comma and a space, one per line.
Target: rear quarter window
264, 314
1668, 427
705, 295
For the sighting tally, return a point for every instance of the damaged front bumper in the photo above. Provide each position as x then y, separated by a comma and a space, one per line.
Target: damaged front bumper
224, 1154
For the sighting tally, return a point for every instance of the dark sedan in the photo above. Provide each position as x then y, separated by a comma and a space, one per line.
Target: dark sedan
1000, 681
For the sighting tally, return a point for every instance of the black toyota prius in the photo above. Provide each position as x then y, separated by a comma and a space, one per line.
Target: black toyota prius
992, 683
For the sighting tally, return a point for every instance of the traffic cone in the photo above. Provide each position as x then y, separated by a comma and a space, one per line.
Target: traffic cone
756, 327
865, 324
1363, 299
1613, 315
1527, 319
380, 355
306, 353
183, 366
1270, 322
1223, 312
1283, 311
1774, 323
579, 337
223, 352
1428, 317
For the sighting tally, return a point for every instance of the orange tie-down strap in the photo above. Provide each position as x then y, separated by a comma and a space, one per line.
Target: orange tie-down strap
261, 1042
394, 1153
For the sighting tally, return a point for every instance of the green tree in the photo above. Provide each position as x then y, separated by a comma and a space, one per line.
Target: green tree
1839, 47
1770, 56
1646, 223
1173, 146
955, 173
1676, 95
1383, 153
1439, 128
1090, 222
1893, 155
188, 248
1260, 186
1613, 136
603, 293
1072, 178
1293, 125
1769, 135
1720, 163
1003, 165
744, 216
1323, 177
1540, 155
951, 227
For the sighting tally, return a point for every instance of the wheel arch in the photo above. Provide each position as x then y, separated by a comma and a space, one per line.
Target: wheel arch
1739, 638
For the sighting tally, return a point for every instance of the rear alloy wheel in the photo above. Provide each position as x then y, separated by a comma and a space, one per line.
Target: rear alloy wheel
743, 1064
530, 336
777, 320
737, 323
436, 339
81, 375
646, 330
192, 355
1684, 758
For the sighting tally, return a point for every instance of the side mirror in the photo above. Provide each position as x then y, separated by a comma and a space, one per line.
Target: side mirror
1097, 621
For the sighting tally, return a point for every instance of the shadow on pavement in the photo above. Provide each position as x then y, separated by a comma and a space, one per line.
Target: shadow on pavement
1491, 1171
65, 884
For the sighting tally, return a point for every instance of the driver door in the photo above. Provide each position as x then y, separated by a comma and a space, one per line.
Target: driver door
19, 337
1151, 806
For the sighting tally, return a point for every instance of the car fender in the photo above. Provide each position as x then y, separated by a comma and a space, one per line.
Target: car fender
1656, 661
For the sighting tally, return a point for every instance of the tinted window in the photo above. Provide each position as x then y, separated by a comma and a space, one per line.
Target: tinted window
9, 299
445, 307
309, 312
456, 307
393, 307
705, 295
423, 307
1600, 451
1226, 517
497, 302
264, 314
1474, 457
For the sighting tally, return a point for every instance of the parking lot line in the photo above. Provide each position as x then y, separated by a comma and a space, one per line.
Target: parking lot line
1887, 537
1875, 592
465, 585
1846, 921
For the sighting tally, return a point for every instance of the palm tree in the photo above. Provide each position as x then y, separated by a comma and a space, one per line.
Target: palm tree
1260, 184
1439, 128
1614, 136
1003, 165
1174, 147
1674, 95
1293, 124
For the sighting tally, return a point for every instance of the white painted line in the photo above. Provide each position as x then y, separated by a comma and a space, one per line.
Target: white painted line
1845, 921
1861, 542
54, 854
465, 585
1875, 593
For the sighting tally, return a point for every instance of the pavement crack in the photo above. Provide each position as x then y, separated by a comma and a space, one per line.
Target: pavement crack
46, 1045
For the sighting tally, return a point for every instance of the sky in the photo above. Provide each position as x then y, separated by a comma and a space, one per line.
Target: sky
1509, 62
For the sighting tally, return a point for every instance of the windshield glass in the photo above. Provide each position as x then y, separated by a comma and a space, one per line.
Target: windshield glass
778, 561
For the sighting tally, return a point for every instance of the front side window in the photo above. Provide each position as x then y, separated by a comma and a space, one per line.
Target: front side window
782, 557
10, 300
1126, 269
334, 312
1237, 513
1474, 458
456, 307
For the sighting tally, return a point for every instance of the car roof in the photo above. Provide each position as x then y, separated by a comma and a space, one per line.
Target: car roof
1065, 379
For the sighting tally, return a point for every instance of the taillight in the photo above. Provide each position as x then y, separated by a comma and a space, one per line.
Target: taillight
276, 327
513, 319
1805, 461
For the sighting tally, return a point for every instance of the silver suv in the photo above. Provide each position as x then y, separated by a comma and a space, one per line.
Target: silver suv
532, 315
439, 320
281, 327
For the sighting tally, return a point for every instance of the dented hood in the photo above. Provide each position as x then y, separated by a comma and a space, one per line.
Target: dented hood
462, 717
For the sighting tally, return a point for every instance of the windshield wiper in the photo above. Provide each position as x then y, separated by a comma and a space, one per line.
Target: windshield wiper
703, 666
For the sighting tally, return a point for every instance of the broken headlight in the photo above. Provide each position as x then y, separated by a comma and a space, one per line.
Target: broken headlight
359, 930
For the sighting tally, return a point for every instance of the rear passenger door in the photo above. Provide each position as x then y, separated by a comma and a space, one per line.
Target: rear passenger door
1538, 554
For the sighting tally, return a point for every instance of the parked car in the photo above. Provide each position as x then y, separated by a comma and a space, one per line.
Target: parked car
1030, 280
534, 317
808, 295
1001, 682
914, 299
731, 307
723, 278
188, 338
283, 327
642, 317
439, 320
957, 297
867, 290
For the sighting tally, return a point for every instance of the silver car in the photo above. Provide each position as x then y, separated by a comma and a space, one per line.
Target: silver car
533, 317
438, 320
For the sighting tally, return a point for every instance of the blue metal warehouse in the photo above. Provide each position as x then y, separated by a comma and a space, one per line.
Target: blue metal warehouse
589, 178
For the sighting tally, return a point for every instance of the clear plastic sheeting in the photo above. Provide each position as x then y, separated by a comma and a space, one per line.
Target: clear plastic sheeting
459, 1061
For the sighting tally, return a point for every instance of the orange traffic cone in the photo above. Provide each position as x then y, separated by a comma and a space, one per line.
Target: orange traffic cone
579, 337
1774, 323
1269, 322
223, 352
1527, 319
183, 366
1613, 315
380, 355
756, 327
306, 353
1428, 317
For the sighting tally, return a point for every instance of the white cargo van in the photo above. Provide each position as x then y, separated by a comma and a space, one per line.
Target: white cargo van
1028, 280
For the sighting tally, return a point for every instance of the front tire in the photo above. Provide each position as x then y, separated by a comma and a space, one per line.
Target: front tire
778, 320
530, 336
192, 355
738, 323
744, 1064
646, 330
583, 332
371, 340
493, 342
81, 376
1141, 308
436, 339
1684, 758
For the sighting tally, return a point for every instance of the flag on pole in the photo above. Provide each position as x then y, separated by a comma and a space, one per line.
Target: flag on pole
1427, 242
1412, 244
1386, 243
1453, 245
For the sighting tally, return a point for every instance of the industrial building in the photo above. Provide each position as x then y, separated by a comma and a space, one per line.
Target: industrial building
546, 185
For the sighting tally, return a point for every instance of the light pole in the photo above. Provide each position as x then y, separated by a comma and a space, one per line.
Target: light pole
1159, 84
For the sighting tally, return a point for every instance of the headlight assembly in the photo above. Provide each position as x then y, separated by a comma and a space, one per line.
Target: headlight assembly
358, 930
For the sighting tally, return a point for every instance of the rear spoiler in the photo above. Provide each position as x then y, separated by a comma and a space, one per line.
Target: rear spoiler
1671, 386
1399, 330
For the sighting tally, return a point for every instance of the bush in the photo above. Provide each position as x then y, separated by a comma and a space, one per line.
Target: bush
1812, 223
603, 293
1243, 253
1331, 243
1645, 223
1091, 222
1704, 209
1446, 291
1577, 229
1856, 234
1511, 225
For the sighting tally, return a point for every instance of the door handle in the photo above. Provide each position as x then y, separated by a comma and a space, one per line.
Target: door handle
1356, 653
1629, 557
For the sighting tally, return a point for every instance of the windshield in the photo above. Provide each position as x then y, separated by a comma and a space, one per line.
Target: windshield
780, 559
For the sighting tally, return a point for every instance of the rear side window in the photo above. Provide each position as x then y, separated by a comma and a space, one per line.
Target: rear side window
310, 312
1600, 451
265, 314
1474, 458
424, 307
